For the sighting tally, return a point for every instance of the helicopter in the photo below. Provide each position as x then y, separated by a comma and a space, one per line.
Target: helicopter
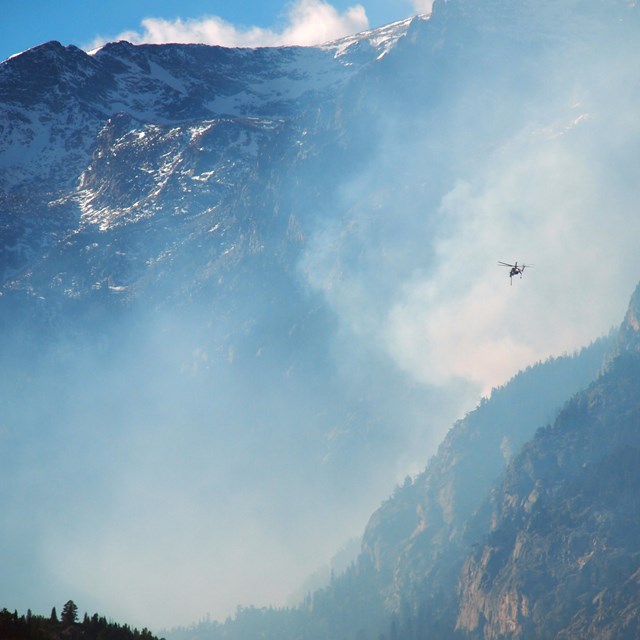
515, 269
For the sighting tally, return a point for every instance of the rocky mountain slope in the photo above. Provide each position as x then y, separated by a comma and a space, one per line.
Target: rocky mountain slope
420, 533
190, 125
561, 560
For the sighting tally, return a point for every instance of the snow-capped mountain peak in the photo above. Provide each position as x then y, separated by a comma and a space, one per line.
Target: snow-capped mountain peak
381, 39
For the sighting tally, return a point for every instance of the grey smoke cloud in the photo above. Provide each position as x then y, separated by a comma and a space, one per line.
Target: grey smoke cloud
544, 199
559, 191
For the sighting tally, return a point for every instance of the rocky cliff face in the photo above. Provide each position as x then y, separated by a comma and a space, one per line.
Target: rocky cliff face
561, 560
418, 539
629, 333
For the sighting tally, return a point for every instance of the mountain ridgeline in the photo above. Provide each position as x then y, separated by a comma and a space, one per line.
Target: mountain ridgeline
219, 270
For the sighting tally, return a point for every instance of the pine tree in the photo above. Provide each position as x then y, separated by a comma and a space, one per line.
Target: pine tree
70, 612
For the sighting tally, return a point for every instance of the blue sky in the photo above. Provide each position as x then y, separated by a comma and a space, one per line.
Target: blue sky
27, 23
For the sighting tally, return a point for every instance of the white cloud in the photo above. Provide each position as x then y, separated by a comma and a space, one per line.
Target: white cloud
315, 22
307, 22
423, 6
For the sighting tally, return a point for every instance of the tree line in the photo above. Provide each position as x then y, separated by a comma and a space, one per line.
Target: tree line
67, 626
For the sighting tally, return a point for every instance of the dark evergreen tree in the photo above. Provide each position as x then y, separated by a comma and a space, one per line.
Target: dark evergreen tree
70, 612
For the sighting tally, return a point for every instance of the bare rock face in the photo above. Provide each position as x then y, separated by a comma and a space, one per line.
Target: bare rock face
629, 334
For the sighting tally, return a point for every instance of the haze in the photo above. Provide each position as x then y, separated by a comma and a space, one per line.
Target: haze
158, 499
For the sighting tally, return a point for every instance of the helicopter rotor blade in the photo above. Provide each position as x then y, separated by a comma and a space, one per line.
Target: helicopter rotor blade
505, 264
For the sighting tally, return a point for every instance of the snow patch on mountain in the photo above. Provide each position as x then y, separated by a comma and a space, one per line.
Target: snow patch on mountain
58, 118
382, 39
